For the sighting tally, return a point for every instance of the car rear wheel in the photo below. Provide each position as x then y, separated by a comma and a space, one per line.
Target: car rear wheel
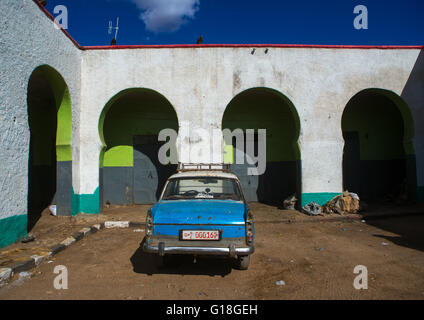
243, 262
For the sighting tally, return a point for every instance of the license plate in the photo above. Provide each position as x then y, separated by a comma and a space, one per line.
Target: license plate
200, 235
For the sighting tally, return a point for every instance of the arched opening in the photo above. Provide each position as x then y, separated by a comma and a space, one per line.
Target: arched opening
130, 171
378, 157
264, 108
50, 154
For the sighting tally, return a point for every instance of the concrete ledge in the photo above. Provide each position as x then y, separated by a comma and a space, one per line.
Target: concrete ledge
85, 231
5, 274
35, 260
38, 259
136, 224
68, 241
56, 249
117, 224
78, 236
23, 266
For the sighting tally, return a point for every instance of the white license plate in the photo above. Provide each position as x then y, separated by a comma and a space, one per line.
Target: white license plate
200, 235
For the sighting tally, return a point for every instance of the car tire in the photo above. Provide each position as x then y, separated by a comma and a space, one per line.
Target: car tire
243, 262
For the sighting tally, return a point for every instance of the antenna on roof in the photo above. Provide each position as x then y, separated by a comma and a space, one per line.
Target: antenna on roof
111, 27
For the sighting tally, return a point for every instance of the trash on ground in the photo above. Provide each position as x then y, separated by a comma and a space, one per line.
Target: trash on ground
53, 210
344, 203
138, 230
28, 238
23, 275
384, 244
290, 203
280, 283
312, 209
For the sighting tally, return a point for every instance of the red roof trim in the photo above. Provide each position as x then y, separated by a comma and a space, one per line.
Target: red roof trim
47, 13
171, 46
318, 46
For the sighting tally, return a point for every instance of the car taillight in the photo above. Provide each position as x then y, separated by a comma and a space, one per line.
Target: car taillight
249, 228
149, 224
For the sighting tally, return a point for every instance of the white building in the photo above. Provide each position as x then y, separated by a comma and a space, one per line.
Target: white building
79, 125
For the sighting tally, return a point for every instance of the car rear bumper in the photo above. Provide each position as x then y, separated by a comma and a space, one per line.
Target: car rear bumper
227, 247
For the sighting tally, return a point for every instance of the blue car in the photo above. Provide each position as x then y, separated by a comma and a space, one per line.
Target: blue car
201, 212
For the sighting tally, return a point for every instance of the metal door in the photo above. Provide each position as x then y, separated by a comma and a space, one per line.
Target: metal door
149, 174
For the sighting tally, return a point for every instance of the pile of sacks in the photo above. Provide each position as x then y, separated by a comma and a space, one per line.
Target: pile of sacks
345, 203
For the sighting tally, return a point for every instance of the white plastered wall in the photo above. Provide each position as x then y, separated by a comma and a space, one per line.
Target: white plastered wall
200, 82
28, 39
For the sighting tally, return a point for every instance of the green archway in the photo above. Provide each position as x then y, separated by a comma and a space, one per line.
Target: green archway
265, 108
128, 128
50, 158
379, 157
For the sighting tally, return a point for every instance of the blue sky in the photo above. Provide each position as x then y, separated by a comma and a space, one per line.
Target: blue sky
390, 22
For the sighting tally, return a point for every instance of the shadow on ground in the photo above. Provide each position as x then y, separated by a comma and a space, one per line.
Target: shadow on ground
408, 230
150, 264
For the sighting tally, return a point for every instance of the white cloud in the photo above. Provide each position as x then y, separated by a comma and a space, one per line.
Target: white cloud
166, 15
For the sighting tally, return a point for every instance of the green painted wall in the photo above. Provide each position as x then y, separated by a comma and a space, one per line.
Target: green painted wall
380, 125
50, 124
262, 108
385, 127
12, 229
50, 116
135, 112
64, 112
320, 198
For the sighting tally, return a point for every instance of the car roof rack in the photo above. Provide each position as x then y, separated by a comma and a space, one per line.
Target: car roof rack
203, 167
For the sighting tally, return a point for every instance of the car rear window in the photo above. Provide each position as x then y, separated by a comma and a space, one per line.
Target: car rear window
202, 188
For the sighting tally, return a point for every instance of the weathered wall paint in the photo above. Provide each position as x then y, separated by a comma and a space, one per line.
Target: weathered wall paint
319, 83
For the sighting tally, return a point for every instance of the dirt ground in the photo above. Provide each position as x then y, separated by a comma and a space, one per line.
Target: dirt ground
50, 230
315, 260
